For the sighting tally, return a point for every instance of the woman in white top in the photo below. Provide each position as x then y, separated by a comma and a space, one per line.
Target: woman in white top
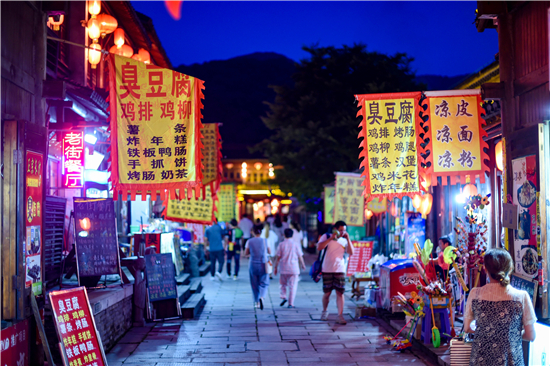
500, 313
272, 241
298, 234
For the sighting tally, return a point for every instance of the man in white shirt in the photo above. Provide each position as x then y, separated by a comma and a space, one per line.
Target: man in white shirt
246, 225
334, 268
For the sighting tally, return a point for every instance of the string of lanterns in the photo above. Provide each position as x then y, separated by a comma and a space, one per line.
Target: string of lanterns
99, 25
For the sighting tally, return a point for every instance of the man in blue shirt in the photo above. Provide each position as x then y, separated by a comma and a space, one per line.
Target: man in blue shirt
214, 241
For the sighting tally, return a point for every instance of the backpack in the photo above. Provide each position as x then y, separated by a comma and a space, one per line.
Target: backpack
316, 268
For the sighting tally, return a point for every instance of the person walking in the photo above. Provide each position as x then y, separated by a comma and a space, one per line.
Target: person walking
272, 241
233, 248
298, 234
278, 229
258, 251
500, 313
246, 226
337, 244
290, 258
213, 238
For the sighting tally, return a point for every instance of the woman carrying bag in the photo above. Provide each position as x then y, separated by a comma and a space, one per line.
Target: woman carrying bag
258, 250
504, 316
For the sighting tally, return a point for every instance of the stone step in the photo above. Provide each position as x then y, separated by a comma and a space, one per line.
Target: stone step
204, 269
193, 306
184, 293
183, 279
196, 285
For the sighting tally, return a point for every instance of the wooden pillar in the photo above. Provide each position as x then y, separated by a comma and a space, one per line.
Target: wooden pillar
509, 120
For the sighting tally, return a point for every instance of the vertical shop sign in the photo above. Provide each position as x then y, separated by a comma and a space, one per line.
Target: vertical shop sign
14, 344
211, 156
156, 124
73, 160
390, 150
194, 210
456, 129
359, 261
226, 202
415, 231
329, 205
76, 328
33, 222
349, 204
524, 176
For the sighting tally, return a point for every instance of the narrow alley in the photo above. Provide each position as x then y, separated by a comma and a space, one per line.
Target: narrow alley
230, 331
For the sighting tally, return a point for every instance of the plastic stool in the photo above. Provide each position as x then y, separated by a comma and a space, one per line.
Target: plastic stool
426, 334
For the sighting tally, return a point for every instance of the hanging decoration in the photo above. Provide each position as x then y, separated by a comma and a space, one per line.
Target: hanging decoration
227, 197
211, 157
453, 146
349, 204
390, 153
193, 210
155, 125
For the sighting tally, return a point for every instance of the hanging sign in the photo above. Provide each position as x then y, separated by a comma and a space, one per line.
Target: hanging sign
226, 202
389, 147
524, 176
194, 210
456, 128
349, 204
378, 206
72, 169
359, 261
415, 231
75, 325
96, 237
329, 205
211, 156
33, 222
155, 126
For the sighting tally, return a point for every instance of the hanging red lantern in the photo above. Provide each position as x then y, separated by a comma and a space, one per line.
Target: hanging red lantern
124, 50
426, 206
94, 54
107, 24
368, 214
394, 210
119, 37
469, 190
417, 201
499, 156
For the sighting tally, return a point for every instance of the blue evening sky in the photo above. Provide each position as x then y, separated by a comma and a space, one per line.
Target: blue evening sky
440, 35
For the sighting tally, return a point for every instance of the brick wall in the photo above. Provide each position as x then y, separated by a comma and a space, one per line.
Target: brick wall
113, 322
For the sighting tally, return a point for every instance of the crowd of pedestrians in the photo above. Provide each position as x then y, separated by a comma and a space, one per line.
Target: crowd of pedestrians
275, 247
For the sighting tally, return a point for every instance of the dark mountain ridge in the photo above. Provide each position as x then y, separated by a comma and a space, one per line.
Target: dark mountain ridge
237, 89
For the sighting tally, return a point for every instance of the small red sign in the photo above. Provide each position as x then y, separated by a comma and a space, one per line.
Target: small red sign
362, 254
15, 344
73, 160
76, 328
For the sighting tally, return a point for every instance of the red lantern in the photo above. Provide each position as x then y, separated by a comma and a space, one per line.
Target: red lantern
119, 37
498, 156
426, 206
417, 201
85, 224
469, 190
368, 214
393, 210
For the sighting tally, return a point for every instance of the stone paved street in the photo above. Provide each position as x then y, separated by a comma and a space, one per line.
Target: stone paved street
231, 332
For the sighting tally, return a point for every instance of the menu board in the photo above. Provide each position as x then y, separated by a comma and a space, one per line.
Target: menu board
96, 236
75, 325
14, 342
525, 284
362, 253
161, 277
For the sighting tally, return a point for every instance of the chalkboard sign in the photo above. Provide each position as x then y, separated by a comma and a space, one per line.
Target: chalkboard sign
96, 237
525, 284
161, 277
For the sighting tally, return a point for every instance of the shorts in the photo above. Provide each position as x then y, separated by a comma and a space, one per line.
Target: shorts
334, 281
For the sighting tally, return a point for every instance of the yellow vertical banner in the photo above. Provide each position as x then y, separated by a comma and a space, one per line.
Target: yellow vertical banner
211, 155
193, 210
329, 205
155, 128
349, 203
226, 202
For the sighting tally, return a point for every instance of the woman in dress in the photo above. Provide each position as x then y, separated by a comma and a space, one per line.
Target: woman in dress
500, 313
258, 250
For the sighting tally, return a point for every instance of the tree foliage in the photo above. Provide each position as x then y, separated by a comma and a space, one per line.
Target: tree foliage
314, 123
